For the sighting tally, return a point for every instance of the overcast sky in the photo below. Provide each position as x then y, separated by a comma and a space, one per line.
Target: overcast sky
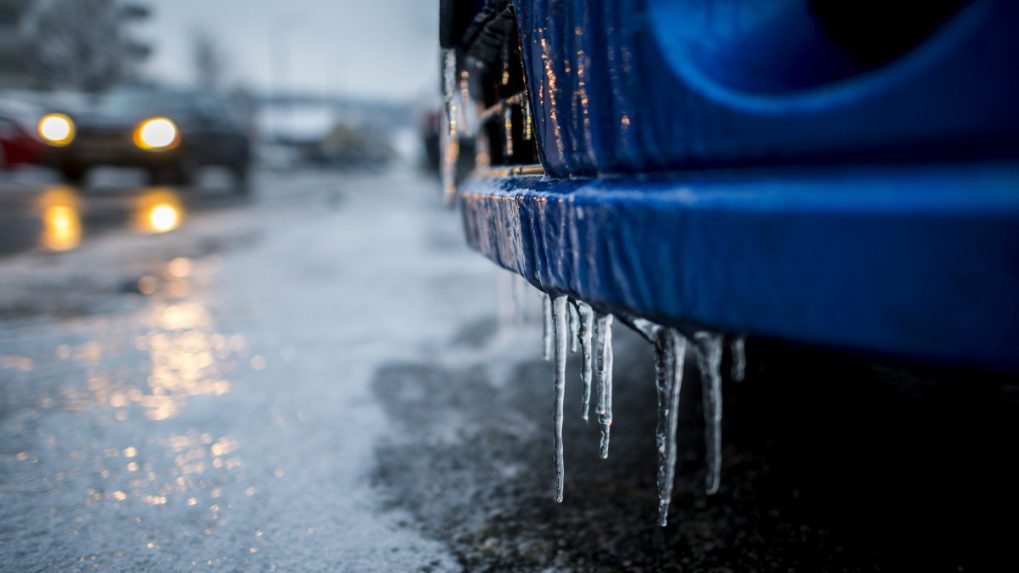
379, 48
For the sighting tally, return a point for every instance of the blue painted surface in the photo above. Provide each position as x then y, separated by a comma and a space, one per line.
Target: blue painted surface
919, 262
729, 164
637, 86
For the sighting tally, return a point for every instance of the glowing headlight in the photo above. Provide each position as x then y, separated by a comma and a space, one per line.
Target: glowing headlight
56, 129
156, 134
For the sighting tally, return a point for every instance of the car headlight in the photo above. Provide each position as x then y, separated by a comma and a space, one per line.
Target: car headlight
56, 129
157, 134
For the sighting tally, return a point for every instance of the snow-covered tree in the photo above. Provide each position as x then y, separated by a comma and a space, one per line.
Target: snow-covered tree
208, 60
83, 44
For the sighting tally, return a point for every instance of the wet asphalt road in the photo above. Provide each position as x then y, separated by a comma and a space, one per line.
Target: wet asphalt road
318, 378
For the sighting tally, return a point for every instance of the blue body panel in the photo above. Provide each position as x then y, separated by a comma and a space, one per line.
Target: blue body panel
914, 262
725, 164
637, 86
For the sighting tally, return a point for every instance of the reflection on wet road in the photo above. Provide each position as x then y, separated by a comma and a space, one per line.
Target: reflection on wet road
57, 217
61, 218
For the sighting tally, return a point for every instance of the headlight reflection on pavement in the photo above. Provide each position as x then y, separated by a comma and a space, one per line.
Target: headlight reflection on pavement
159, 211
61, 219
60, 212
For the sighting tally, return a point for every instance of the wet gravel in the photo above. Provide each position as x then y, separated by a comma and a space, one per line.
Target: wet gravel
832, 463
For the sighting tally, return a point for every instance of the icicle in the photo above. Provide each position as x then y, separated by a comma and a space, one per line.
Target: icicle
586, 336
482, 154
527, 118
574, 328
559, 313
739, 358
465, 97
670, 355
603, 336
505, 64
520, 299
450, 136
646, 327
710, 359
507, 126
506, 303
548, 337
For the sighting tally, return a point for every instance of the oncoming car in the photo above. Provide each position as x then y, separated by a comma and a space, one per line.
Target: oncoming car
169, 134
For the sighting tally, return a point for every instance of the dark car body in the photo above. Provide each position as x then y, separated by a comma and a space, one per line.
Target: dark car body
210, 134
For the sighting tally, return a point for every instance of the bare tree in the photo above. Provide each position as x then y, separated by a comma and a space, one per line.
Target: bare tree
83, 44
208, 60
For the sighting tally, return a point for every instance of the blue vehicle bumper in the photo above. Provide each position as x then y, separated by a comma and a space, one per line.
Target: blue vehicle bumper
913, 262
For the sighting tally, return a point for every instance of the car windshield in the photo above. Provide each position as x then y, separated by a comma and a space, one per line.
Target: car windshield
133, 103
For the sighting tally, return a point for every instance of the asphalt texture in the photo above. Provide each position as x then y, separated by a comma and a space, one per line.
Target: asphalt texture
320, 376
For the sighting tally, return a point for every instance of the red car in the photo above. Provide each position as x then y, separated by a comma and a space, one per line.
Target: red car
18, 144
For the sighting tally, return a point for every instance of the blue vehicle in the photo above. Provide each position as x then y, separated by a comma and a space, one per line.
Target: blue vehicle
839, 174
835, 174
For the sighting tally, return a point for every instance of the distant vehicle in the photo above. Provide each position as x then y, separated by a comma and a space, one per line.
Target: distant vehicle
353, 147
18, 145
170, 134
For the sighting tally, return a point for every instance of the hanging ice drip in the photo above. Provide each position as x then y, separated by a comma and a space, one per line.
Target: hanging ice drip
450, 138
709, 357
507, 125
603, 409
569, 321
739, 359
526, 110
465, 98
560, 334
507, 111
